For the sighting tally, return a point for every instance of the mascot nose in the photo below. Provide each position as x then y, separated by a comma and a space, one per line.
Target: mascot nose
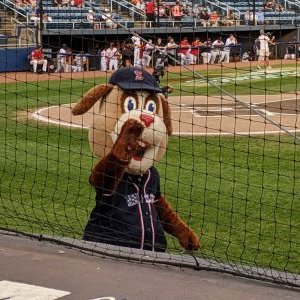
147, 119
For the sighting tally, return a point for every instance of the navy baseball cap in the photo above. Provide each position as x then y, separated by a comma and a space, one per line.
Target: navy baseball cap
133, 78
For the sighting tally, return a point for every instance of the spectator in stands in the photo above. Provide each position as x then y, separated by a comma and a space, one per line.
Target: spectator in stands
61, 58
37, 58
141, 6
176, 12
207, 8
206, 49
47, 18
57, 3
109, 23
112, 55
272, 5
217, 50
214, 18
172, 51
90, 16
269, 6
263, 49
230, 42
147, 53
78, 3
35, 19
204, 18
249, 17
230, 18
260, 18
150, 12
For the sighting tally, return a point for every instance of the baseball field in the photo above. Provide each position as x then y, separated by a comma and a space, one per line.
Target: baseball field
232, 176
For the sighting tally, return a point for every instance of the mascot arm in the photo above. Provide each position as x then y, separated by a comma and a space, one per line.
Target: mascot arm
108, 172
175, 226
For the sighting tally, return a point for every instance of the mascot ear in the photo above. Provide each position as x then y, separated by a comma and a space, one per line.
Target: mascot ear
166, 114
90, 98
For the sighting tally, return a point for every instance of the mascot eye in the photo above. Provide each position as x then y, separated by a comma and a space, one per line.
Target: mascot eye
129, 104
151, 106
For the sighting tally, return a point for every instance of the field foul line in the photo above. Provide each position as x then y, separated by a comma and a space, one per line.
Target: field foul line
37, 115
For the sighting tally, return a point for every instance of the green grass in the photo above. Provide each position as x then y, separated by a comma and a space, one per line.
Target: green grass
242, 193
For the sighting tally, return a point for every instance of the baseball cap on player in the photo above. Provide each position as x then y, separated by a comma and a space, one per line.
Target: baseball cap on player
133, 78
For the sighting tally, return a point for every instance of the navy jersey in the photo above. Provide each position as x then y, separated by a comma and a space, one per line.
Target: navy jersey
128, 216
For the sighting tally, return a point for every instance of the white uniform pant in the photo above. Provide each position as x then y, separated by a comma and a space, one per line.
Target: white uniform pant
35, 63
146, 59
225, 56
206, 56
60, 65
137, 60
113, 64
181, 58
77, 68
67, 68
192, 58
103, 64
214, 54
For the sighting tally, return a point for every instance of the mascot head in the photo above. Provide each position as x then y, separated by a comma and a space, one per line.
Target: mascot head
131, 94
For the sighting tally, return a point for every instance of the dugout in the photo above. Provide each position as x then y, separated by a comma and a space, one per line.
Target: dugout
14, 59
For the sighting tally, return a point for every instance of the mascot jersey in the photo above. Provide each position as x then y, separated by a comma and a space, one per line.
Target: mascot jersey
128, 216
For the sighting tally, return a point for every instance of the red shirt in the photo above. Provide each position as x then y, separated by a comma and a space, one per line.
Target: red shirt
195, 44
184, 46
37, 54
78, 2
149, 7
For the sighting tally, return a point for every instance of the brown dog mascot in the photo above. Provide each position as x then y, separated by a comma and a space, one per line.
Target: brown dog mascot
129, 134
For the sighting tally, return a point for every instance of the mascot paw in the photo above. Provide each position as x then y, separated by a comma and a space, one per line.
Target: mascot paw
129, 142
189, 241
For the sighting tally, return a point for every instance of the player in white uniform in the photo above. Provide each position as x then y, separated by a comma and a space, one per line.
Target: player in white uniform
61, 58
103, 60
264, 51
231, 41
217, 50
137, 62
112, 55
147, 54
79, 62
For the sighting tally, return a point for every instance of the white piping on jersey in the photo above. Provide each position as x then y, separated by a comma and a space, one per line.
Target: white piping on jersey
142, 226
150, 211
152, 227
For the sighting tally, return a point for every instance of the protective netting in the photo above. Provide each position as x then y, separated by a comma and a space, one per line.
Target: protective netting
231, 167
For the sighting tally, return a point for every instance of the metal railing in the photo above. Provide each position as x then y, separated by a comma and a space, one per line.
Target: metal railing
11, 5
223, 6
132, 9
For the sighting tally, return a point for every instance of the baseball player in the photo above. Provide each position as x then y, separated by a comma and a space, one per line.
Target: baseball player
137, 49
112, 55
103, 60
264, 51
37, 58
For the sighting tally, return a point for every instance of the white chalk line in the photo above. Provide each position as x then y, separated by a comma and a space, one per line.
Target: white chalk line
39, 117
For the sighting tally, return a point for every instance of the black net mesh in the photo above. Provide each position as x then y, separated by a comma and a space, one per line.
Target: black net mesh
231, 167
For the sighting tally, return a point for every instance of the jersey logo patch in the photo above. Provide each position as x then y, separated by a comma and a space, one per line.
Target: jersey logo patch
132, 199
